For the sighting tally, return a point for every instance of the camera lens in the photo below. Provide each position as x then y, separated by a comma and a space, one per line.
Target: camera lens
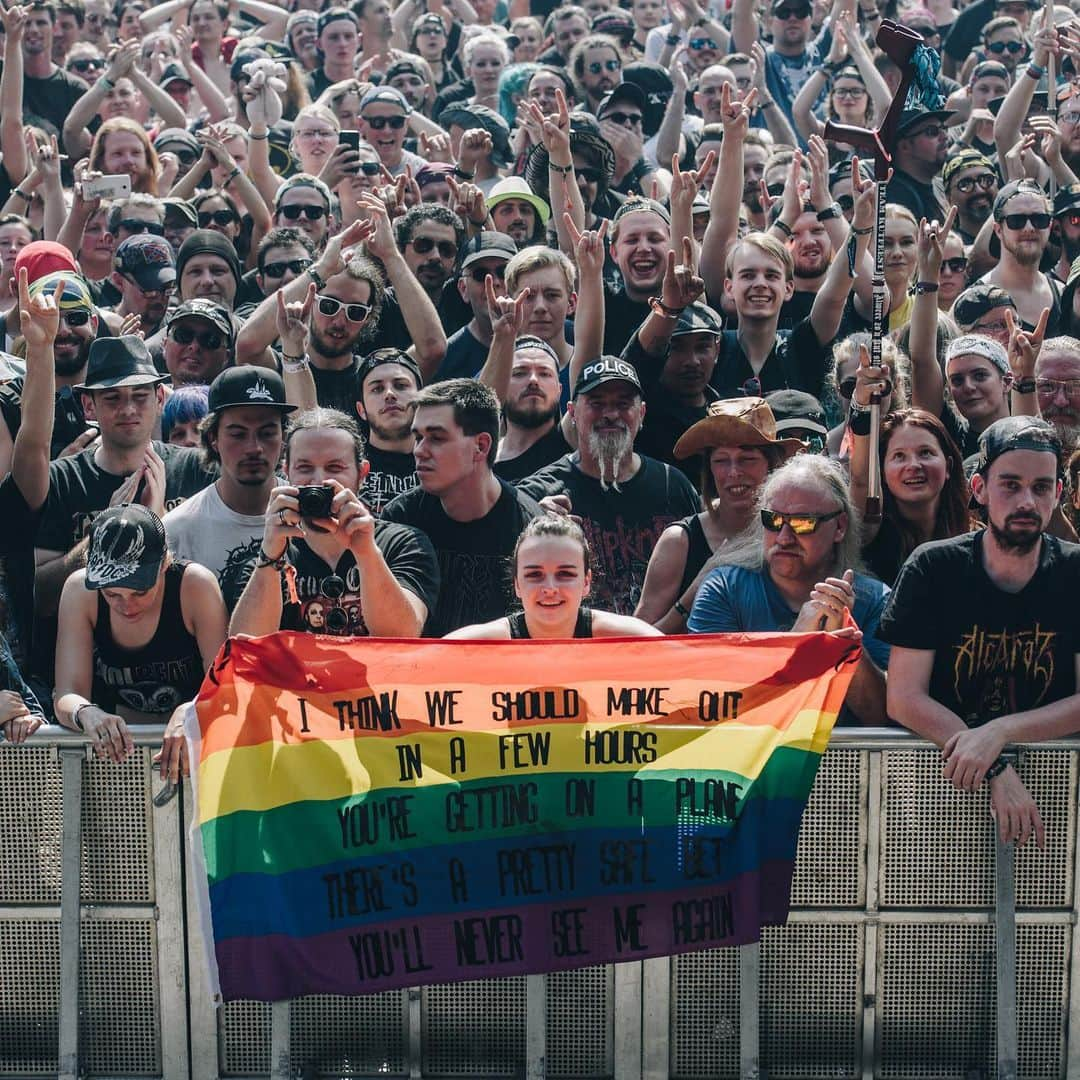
337, 620
332, 587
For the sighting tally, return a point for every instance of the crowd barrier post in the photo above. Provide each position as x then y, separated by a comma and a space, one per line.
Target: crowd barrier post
71, 769
749, 1012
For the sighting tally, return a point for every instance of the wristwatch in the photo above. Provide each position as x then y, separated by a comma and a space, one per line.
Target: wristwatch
830, 212
1024, 386
315, 276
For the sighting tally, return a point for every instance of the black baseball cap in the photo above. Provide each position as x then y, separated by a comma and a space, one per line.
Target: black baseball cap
698, 319
248, 385
127, 548
974, 302
179, 211
174, 73
1067, 199
120, 361
1017, 433
201, 308
177, 137
910, 118
148, 259
380, 357
604, 370
486, 245
796, 411
625, 91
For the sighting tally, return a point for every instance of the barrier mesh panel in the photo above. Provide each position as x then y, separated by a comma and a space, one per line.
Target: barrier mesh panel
580, 1021
349, 1036
705, 1015
244, 1028
29, 996
474, 1028
1042, 997
828, 865
116, 859
811, 1000
119, 1033
1044, 878
30, 795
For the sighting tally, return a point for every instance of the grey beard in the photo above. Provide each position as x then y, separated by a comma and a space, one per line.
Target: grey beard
609, 448
1068, 433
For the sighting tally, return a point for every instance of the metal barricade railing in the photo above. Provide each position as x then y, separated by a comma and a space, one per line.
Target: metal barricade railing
917, 948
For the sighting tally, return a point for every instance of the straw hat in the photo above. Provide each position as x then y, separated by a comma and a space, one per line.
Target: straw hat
745, 421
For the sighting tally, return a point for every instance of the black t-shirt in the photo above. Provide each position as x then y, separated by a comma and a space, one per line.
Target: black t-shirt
622, 526
798, 361
465, 356
51, 99
966, 31
68, 419
334, 607
921, 199
796, 309
547, 449
473, 555
338, 389
622, 316
392, 473
995, 652
391, 333
79, 489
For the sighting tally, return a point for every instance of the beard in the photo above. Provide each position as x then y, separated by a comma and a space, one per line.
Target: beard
330, 349
391, 434
72, 365
609, 448
531, 415
1013, 541
810, 268
1067, 425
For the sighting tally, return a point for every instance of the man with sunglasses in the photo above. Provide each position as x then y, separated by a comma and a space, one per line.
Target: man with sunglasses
145, 277
467, 348
303, 202
1022, 219
800, 578
922, 143
428, 236
182, 145
1003, 40
985, 629
198, 343
283, 255
971, 185
384, 119
596, 67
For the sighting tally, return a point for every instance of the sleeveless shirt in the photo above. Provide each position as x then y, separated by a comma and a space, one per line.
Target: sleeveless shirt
582, 628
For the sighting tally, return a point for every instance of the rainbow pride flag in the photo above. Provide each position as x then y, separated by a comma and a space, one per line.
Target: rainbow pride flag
374, 814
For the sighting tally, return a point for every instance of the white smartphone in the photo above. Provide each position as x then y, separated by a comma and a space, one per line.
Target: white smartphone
107, 187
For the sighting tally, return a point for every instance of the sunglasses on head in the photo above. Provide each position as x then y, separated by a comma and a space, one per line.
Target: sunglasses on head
134, 225
217, 217
207, 339
277, 269
793, 13
985, 181
703, 43
89, 64
422, 245
75, 316
623, 118
330, 306
608, 65
955, 266
800, 524
479, 274
998, 47
847, 387
377, 123
1018, 221
294, 211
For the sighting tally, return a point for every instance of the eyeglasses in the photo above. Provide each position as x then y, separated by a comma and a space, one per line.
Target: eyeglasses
89, 64
990, 328
931, 131
423, 245
847, 387
955, 266
134, 225
207, 339
1018, 221
590, 176
218, 217
277, 269
294, 210
1051, 387
479, 274
330, 306
998, 47
793, 13
703, 43
849, 93
985, 181
596, 67
800, 524
846, 203
624, 119
316, 133
377, 123
75, 316
1070, 118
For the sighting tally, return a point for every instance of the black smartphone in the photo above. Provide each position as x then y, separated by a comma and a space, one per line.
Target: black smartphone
351, 139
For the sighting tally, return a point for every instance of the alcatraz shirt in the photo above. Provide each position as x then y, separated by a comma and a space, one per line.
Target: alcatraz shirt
995, 652
622, 526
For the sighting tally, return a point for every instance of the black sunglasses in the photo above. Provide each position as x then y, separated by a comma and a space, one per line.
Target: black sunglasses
955, 266
776, 190
218, 217
134, 225
847, 387
969, 183
1018, 221
703, 43
185, 157
377, 123
277, 269
422, 245
75, 316
330, 306
370, 168
998, 47
608, 65
479, 274
792, 13
312, 213
89, 64
622, 118
207, 339
800, 524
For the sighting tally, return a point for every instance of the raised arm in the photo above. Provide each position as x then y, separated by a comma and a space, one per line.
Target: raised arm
927, 380
775, 119
507, 321
562, 186
669, 138
744, 25
684, 189
170, 114
1023, 353
77, 136
292, 327
272, 17
1017, 104
161, 13
12, 144
590, 314
213, 100
258, 611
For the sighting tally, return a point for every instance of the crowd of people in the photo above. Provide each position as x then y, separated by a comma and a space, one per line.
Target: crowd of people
502, 319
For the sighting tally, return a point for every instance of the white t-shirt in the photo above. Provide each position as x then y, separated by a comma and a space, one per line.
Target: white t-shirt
204, 530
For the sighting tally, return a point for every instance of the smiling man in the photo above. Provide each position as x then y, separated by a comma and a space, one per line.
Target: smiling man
996, 662
518, 212
640, 241
198, 342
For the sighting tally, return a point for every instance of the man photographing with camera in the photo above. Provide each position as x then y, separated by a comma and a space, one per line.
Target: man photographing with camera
326, 565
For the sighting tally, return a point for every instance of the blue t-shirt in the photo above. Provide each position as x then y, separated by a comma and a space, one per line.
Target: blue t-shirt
736, 600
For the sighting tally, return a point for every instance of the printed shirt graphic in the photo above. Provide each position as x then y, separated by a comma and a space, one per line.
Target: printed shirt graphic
995, 652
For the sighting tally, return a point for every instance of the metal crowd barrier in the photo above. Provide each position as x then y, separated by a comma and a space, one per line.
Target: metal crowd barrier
892, 964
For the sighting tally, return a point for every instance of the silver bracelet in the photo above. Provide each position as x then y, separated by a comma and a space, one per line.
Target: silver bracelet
292, 364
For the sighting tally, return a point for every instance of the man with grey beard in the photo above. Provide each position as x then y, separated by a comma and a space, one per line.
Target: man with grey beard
624, 500
1057, 384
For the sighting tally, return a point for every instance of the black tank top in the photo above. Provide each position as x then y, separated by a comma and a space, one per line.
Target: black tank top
697, 555
163, 673
582, 628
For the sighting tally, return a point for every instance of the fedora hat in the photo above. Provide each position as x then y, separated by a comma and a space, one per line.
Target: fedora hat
746, 421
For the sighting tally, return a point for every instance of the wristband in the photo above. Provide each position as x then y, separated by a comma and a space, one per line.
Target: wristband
862, 232
566, 170
672, 39
660, 308
859, 418
22, 194
108, 83
922, 287
766, 104
251, 135
999, 766
316, 277
265, 560
231, 177
77, 710
784, 227
830, 212
461, 174
681, 609
1035, 72
292, 364
1024, 386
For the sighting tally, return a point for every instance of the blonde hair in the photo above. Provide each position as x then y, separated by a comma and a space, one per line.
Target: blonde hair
538, 257
770, 246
